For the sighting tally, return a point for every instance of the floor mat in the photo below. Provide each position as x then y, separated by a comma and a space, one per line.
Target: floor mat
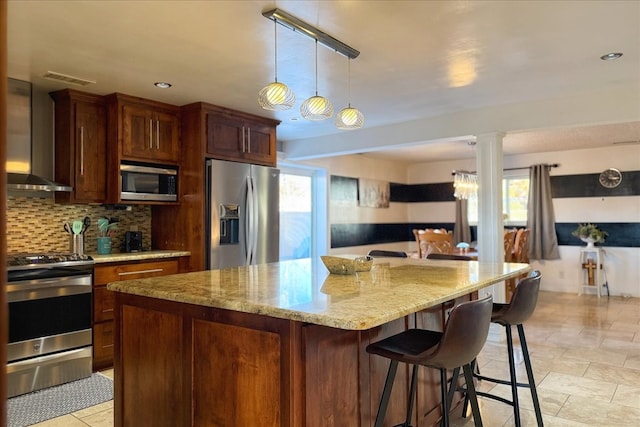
52, 402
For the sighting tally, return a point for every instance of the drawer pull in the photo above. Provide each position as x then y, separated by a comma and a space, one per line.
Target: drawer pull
153, 270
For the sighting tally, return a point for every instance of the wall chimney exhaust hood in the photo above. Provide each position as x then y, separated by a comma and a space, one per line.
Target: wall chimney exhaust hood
19, 144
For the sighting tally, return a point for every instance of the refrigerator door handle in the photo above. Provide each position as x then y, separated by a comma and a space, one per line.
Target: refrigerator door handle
248, 223
254, 221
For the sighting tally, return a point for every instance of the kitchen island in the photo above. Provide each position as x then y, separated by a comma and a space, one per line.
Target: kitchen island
279, 344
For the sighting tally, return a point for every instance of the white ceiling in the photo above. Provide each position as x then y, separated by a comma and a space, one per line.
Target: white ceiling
419, 59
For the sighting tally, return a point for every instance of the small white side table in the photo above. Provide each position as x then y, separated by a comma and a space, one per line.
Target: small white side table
591, 264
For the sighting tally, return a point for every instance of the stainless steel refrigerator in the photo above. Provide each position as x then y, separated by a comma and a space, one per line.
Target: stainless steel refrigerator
243, 214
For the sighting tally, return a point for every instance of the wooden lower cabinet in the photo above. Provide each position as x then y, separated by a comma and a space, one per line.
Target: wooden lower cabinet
103, 300
179, 364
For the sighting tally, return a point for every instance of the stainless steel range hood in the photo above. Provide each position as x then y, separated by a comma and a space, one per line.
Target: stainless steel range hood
20, 144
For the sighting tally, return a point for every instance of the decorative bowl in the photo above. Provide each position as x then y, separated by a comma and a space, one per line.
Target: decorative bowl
341, 265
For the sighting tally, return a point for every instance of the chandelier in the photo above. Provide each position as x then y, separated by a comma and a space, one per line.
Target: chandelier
465, 184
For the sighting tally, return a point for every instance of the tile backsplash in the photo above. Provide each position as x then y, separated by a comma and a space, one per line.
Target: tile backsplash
36, 224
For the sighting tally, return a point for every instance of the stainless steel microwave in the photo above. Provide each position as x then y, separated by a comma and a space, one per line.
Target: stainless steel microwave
144, 183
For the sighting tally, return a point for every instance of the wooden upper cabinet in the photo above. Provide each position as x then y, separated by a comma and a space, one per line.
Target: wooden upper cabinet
241, 137
80, 146
147, 130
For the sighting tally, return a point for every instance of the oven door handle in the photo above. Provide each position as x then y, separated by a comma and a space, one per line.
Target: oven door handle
48, 288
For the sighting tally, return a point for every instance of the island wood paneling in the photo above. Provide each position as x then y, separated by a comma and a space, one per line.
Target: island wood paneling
154, 380
243, 364
187, 365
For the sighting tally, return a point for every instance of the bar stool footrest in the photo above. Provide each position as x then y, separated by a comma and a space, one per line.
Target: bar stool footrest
499, 381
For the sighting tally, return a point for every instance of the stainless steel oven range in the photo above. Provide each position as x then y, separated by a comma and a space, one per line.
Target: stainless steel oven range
49, 299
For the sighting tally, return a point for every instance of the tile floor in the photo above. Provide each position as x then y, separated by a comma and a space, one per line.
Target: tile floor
585, 353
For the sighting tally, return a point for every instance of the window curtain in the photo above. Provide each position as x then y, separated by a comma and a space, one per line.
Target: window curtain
541, 222
461, 229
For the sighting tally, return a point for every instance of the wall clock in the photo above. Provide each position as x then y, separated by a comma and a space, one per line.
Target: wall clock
610, 178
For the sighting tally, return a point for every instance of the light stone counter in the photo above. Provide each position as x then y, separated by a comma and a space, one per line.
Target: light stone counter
137, 256
303, 290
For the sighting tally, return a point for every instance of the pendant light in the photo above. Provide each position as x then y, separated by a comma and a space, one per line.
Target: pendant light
465, 185
276, 95
316, 107
349, 118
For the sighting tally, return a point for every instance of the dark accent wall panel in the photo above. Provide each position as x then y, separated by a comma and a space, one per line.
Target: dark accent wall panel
344, 235
621, 234
438, 192
562, 186
588, 186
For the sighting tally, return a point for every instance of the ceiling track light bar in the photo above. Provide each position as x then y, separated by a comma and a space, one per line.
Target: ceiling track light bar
298, 25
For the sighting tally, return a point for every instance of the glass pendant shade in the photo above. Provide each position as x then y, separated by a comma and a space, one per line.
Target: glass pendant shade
276, 96
465, 185
316, 108
349, 118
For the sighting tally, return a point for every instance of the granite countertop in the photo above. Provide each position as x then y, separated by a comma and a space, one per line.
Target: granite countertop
137, 256
303, 290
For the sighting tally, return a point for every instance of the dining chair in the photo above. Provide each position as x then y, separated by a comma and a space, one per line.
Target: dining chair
430, 241
509, 244
521, 255
521, 246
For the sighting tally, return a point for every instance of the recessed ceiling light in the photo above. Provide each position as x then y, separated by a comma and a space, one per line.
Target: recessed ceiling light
612, 55
163, 85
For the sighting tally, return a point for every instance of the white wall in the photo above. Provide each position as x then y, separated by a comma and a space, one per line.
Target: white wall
342, 212
622, 265
563, 275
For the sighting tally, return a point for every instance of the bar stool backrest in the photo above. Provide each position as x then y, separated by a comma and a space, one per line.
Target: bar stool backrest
464, 334
453, 257
382, 253
523, 302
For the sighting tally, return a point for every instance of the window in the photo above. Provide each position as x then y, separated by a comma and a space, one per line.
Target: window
295, 216
515, 194
303, 211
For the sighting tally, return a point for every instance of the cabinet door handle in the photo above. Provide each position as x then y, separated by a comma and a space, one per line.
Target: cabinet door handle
153, 270
150, 134
82, 150
243, 140
248, 140
157, 134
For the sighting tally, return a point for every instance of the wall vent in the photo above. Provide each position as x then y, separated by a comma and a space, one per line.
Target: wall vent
51, 75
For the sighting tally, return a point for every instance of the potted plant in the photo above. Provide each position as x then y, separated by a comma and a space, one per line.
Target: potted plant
590, 234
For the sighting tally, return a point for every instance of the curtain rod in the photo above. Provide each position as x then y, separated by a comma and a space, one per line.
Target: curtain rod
553, 165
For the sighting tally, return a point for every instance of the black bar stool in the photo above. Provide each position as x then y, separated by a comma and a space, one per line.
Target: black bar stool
382, 253
451, 257
457, 346
523, 303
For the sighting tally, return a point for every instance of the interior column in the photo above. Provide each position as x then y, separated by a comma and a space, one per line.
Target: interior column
490, 220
